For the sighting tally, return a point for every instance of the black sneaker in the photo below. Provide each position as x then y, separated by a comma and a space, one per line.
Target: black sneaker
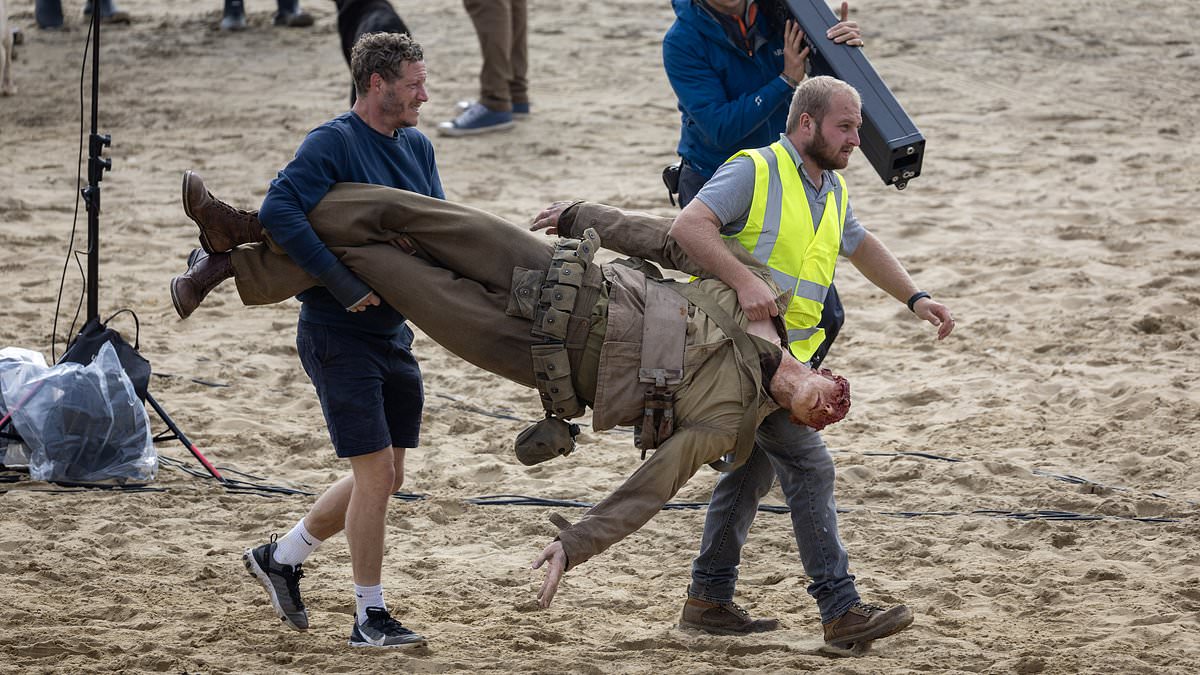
281, 581
381, 630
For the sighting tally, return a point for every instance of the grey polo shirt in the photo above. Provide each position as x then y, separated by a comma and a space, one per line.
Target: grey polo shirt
731, 190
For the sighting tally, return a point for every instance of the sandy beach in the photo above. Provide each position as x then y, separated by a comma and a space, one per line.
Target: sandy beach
1028, 486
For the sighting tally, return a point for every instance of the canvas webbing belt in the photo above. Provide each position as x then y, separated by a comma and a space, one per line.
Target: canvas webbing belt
560, 322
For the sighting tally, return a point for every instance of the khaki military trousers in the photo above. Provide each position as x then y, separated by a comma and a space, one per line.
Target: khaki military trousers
501, 28
455, 288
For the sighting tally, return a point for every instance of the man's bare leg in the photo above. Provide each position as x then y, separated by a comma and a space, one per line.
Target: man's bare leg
366, 511
375, 478
278, 564
327, 516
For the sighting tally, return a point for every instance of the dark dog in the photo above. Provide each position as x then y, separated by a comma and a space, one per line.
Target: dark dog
357, 17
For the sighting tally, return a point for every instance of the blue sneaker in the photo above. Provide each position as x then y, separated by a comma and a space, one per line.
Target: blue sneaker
233, 17
519, 110
233, 22
476, 119
294, 19
109, 12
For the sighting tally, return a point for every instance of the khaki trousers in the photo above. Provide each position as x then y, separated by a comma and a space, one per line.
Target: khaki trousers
501, 27
455, 289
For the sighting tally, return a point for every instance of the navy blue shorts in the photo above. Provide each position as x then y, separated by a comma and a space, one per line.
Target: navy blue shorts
369, 387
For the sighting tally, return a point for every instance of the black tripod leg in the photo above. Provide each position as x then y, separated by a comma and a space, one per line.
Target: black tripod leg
178, 433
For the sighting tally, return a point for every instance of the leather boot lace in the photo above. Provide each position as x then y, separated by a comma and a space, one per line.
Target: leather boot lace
245, 218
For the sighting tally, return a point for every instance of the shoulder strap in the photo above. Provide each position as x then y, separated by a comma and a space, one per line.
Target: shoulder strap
747, 361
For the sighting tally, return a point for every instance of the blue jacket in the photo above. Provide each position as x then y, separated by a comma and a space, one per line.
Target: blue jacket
729, 100
343, 150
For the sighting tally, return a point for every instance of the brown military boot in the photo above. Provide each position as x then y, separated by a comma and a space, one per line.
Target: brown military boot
722, 618
853, 631
222, 227
205, 272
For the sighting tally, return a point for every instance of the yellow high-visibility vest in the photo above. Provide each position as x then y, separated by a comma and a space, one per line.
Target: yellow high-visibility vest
779, 233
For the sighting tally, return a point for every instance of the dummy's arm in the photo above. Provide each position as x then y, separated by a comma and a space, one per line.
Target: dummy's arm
697, 229
637, 500
640, 235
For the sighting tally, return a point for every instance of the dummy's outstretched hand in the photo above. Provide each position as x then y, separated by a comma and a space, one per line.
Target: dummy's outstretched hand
937, 314
845, 32
548, 219
557, 559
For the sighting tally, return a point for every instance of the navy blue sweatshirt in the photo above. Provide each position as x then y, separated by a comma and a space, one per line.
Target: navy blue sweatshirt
343, 150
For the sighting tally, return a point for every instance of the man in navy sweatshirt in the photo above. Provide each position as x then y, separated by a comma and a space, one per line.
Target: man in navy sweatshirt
355, 348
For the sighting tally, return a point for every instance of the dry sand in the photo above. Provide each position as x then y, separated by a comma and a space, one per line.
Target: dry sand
1055, 215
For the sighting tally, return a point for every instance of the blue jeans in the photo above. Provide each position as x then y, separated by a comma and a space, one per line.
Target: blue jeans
238, 7
690, 183
805, 468
49, 14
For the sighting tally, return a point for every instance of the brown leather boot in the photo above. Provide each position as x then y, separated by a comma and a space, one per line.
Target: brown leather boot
724, 618
205, 272
863, 623
222, 227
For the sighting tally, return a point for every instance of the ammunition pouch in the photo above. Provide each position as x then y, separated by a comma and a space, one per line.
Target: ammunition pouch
546, 439
565, 297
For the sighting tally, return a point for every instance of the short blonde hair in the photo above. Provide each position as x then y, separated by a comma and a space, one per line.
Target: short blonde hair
813, 97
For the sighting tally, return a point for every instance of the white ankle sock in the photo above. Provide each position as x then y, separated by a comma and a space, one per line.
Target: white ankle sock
293, 547
368, 596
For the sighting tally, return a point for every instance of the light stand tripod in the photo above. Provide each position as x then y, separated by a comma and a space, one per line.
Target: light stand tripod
94, 333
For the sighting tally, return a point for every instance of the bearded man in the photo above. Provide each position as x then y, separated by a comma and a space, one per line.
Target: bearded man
786, 205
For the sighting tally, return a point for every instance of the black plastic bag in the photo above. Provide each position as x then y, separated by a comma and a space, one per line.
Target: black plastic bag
93, 336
